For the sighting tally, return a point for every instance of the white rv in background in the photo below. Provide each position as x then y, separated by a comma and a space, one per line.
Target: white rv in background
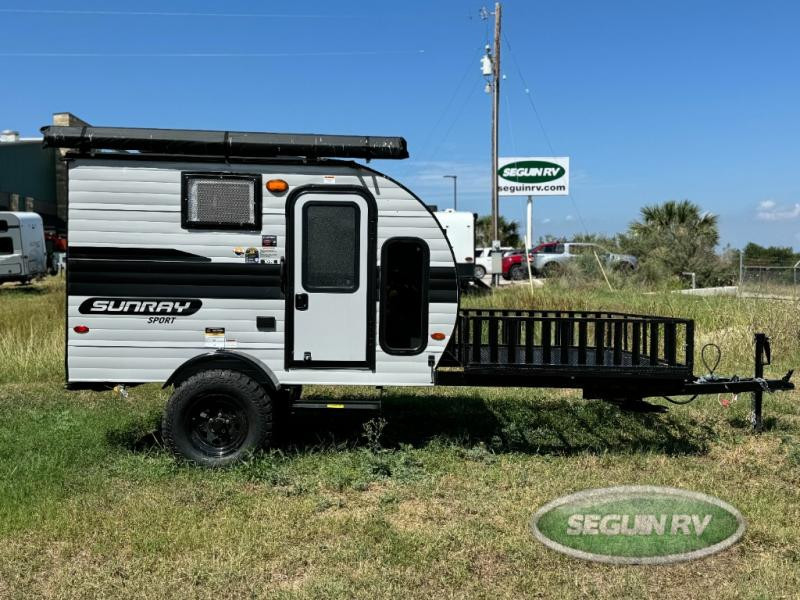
22, 250
459, 226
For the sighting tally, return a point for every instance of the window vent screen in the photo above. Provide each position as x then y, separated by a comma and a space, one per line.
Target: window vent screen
222, 202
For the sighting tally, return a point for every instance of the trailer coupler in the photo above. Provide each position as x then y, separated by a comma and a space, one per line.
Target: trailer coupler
757, 385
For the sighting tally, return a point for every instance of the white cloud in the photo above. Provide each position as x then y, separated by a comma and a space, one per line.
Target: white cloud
470, 175
769, 210
425, 178
568, 218
545, 221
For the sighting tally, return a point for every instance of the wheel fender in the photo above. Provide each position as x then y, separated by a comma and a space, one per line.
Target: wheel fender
225, 359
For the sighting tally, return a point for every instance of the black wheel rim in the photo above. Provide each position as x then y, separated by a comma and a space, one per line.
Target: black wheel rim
216, 424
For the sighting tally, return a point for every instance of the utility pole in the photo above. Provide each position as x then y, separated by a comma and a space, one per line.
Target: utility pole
455, 189
490, 68
495, 128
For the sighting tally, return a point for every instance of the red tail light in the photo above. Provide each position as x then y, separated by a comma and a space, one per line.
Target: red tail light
80, 329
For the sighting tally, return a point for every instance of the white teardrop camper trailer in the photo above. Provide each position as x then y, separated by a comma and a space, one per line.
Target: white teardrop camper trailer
239, 267
23, 256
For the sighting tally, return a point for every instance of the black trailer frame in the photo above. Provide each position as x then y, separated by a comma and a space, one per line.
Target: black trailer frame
609, 355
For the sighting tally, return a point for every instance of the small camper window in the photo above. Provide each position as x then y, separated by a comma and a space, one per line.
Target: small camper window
404, 296
6, 245
331, 247
211, 201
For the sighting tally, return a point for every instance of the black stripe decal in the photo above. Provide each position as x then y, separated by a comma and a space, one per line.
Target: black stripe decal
173, 279
443, 285
115, 253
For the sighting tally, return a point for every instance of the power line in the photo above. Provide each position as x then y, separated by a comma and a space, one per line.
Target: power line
204, 54
455, 120
511, 126
456, 90
529, 94
144, 13
541, 125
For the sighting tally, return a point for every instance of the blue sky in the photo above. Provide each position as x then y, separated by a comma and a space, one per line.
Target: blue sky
651, 100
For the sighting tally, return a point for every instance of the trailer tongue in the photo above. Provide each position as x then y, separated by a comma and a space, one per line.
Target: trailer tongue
610, 356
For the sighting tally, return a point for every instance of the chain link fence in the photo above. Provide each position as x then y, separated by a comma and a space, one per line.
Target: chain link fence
769, 281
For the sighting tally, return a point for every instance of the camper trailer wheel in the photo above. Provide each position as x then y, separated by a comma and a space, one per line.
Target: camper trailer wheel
216, 417
480, 272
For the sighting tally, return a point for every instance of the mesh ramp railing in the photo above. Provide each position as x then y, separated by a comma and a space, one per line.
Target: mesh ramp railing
582, 341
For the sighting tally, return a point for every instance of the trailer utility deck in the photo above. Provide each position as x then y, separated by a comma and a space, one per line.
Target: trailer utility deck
572, 343
608, 355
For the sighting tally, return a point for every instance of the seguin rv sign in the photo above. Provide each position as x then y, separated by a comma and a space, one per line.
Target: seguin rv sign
638, 525
533, 176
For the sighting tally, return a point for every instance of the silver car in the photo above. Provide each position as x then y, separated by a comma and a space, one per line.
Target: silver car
555, 259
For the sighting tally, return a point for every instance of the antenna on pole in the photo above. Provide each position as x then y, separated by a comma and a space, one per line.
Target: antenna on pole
490, 68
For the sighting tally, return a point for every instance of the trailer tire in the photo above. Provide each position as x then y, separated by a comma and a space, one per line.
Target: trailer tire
217, 417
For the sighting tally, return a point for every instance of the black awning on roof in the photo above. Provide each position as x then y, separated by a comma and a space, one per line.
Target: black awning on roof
190, 142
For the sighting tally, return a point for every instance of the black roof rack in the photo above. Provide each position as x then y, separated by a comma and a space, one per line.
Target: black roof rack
184, 142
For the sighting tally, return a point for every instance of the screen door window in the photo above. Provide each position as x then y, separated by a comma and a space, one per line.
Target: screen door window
331, 247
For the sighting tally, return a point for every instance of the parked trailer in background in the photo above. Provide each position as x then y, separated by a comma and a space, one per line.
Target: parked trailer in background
239, 267
22, 249
459, 226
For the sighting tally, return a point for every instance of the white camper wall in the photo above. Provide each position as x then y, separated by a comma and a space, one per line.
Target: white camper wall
32, 238
10, 263
137, 205
29, 256
460, 229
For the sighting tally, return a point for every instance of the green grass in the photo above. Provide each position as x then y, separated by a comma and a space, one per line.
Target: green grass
436, 503
32, 329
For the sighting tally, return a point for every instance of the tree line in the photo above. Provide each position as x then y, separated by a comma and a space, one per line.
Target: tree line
669, 239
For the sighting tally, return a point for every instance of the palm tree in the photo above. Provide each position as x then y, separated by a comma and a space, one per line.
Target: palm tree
676, 219
508, 231
675, 237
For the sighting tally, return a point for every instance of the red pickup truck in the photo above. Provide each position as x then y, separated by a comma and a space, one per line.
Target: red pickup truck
514, 268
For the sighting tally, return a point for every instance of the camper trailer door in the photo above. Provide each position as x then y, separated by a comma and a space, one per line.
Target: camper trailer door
331, 280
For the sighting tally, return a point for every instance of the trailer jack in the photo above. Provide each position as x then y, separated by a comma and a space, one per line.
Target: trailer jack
757, 385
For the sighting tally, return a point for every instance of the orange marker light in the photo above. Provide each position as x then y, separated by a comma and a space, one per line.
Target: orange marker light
438, 336
80, 329
276, 186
